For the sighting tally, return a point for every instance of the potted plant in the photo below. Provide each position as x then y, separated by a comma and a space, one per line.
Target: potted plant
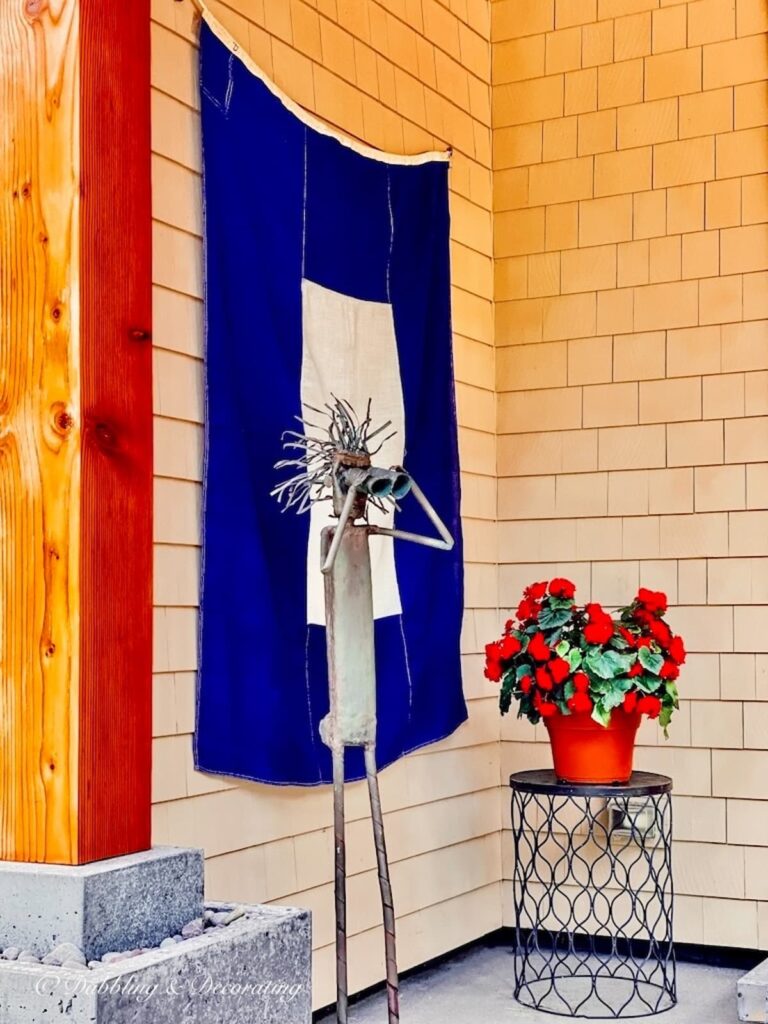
588, 675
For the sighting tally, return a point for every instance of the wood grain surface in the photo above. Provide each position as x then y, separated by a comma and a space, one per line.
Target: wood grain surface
75, 430
116, 490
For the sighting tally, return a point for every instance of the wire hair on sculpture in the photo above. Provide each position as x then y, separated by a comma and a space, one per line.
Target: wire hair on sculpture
344, 433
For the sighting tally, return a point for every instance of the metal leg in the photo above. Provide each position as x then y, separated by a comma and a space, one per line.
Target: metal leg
340, 885
393, 984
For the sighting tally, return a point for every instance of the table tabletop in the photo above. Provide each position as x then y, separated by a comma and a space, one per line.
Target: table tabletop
544, 781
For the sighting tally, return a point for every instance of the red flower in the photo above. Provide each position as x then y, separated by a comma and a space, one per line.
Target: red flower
547, 709
669, 670
493, 671
527, 609
543, 678
560, 669
654, 600
581, 682
643, 641
649, 705
676, 649
636, 670
629, 637
536, 591
509, 625
509, 646
642, 616
600, 627
660, 632
525, 684
562, 588
537, 648
580, 702
598, 632
630, 701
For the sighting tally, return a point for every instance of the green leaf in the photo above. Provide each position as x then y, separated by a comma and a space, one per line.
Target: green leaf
601, 714
523, 670
613, 699
551, 618
507, 689
614, 694
671, 692
568, 690
608, 664
622, 662
597, 664
648, 684
651, 662
574, 658
562, 648
665, 717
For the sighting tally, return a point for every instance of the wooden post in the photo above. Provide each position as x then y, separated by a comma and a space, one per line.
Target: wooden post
75, 430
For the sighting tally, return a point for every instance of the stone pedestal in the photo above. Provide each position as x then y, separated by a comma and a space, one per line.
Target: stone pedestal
752, 994
122, 903
256, 970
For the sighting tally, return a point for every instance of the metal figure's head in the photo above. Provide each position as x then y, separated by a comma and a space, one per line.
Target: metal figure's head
351, 470
330, 465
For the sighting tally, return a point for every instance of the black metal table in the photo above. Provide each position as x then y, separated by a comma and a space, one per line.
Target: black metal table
593, 895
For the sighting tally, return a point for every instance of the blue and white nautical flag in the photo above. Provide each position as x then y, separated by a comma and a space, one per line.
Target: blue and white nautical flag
327, 271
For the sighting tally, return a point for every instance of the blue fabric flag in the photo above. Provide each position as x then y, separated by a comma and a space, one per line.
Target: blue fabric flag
327, 270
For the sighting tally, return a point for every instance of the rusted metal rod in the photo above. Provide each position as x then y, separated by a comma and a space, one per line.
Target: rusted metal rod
387, 903
338, 535
340, 884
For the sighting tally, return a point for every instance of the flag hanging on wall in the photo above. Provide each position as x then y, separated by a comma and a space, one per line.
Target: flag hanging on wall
327, 271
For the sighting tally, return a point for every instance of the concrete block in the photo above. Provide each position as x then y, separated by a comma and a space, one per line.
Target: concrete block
121, 903
256, 970
752, 994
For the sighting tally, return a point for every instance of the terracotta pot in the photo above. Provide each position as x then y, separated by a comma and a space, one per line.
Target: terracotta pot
584, 751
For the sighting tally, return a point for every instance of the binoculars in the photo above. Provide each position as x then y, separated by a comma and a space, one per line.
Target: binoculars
378, 483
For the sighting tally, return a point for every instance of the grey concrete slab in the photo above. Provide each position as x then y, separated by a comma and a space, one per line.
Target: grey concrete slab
476, 987
121, 903
256, 970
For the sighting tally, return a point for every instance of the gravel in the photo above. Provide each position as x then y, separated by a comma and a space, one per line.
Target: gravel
63, 954
67, 955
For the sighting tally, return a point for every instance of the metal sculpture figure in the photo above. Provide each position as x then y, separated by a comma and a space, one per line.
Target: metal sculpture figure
338, 467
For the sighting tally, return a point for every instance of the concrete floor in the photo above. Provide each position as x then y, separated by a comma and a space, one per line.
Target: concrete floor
475, 987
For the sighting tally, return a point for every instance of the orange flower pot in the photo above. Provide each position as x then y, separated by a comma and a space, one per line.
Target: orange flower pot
584, 751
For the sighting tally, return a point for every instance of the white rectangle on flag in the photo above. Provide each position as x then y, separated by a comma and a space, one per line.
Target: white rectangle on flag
350, 350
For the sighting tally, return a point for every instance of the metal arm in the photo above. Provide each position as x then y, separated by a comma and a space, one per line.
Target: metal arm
444, 544
346, 511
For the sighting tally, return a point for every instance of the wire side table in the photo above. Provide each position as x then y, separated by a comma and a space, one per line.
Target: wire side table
593, 895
